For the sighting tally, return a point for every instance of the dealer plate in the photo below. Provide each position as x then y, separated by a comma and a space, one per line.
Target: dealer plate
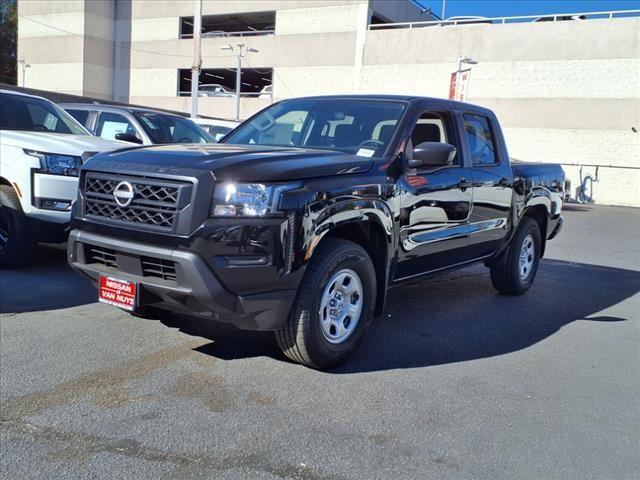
117, 292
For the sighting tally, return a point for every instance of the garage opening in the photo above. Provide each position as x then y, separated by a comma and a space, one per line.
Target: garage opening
221, 82
231, 25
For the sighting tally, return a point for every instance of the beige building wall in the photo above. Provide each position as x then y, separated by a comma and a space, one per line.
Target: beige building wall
69, 45
565, 92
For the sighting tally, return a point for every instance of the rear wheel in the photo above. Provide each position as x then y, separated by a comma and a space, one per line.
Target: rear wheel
333, 308
16, 244
515, 275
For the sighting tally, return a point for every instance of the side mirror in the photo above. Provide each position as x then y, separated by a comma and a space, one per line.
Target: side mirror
520, 185
128, 137
432, 154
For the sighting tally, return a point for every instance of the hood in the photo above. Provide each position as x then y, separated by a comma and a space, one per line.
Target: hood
247, 163
61, 143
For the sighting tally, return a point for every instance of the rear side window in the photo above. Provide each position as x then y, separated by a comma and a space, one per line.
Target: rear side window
80, 115
480, 139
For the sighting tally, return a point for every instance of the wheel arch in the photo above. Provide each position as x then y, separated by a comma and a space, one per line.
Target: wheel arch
368, 224
540, 215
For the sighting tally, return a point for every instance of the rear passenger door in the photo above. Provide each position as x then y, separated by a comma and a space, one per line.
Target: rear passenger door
492, 183
436, 204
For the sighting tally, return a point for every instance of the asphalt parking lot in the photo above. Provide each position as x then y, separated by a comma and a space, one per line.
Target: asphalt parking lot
455, 381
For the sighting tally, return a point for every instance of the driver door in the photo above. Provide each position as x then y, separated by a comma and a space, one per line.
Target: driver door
435, 203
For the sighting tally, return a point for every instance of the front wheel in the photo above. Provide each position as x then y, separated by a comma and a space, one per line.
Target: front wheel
333, 308
515, 275
16, 244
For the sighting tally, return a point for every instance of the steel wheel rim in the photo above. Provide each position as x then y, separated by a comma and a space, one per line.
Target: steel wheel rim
341, 306
527, 257
4, 229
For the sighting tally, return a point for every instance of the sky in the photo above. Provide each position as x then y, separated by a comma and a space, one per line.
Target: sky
505, 8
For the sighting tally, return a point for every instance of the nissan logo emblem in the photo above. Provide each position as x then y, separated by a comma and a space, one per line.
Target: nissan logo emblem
123, 194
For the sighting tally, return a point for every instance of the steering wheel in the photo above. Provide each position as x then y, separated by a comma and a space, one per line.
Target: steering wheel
185, 140
37, 127
375, 143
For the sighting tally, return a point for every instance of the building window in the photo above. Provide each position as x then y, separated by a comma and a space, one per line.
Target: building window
221, 82
231, 25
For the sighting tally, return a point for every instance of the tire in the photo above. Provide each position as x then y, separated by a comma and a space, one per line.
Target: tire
510, 276
16, 244
337, 268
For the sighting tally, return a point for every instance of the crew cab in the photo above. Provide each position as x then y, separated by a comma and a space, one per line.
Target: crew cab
41, 150
307, 213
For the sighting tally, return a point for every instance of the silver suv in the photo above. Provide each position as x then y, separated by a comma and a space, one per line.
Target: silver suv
136, 125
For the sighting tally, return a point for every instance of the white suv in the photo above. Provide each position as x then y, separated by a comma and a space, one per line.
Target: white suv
41, 150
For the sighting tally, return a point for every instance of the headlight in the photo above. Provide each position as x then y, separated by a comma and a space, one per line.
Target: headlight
242, 199
54, 164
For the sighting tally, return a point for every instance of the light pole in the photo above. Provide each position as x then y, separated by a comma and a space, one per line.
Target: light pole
25, 65
444, 4
197, 58
462, 80
467, 60
240, 50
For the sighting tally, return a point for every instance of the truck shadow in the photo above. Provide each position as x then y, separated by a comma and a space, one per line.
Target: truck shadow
47, 283
455, 318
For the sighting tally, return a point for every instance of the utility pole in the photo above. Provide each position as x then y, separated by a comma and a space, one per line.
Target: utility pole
25, 65
197, 57
240, 50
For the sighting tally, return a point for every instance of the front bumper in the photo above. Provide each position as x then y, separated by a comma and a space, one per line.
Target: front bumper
176, 280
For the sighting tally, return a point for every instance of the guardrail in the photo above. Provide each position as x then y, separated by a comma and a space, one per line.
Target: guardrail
557, 17
221, 34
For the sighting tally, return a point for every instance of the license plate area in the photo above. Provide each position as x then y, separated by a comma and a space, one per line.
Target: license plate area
118, 292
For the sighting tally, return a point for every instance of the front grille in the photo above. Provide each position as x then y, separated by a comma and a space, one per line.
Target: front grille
155, 203
101, 255
155, 267
148, 266
141, 216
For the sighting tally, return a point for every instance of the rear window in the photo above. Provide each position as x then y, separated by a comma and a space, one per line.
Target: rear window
480, 141
19, 112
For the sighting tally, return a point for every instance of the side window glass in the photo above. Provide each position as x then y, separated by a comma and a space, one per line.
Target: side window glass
432, 127
80, 115
110, 124
480, 139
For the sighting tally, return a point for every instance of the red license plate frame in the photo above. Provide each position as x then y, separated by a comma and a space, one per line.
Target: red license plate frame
118, 292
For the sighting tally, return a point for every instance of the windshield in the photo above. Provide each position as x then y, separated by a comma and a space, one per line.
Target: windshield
19, 112
163, 128
363, 127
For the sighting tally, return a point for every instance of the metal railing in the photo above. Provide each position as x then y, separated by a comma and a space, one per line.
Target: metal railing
223, 34
557, 17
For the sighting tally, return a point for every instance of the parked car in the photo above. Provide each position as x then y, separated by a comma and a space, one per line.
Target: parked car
303, 217
466, 20
215, 127
214, 90
266, 92
41, 151
136, 125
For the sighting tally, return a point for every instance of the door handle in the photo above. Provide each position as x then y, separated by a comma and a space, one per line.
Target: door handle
464, 183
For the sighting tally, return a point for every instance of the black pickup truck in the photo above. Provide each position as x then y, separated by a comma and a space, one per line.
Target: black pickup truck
304, 216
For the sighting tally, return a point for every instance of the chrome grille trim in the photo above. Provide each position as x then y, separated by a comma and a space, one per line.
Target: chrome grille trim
155, 205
